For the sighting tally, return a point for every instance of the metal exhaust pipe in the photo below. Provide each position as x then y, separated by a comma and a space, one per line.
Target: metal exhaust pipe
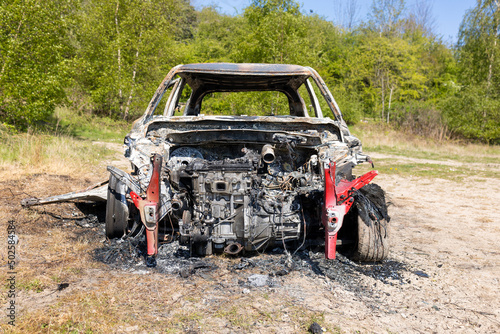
233, 248
176, 204
268, 154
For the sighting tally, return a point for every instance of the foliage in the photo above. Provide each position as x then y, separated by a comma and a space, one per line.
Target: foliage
246, 103
107, 58
214, 35
420, 118
276, 34
33, 51
123, 49
474, 114
385, 16
478, 47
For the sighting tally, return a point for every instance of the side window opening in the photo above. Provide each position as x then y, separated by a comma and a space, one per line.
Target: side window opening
162, 106
323, 104
313, 105
307, 100
183, 99
174, 98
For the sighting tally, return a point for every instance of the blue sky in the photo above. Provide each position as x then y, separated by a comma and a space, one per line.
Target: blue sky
447, 13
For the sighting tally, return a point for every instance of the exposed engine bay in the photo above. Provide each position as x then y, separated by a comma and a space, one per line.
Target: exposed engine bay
243, 198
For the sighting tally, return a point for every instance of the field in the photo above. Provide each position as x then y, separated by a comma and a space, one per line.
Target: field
442, 275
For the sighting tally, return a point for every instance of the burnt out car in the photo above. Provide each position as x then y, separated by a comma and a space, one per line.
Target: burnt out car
239, 157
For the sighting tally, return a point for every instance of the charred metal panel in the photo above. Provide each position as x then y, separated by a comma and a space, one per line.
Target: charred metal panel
240, 183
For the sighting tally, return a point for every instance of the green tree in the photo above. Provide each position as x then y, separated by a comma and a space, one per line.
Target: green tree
386, 16
474, 111
214, 36
473, 114
275, 33
33, 54
478, 47
124, 48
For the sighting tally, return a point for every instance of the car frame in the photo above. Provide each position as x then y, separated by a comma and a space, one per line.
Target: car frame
242, 183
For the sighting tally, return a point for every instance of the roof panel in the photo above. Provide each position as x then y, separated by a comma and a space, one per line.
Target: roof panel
245, 69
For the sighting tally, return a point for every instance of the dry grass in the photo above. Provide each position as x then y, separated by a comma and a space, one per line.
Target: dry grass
50, 251
380, 138
124, 303
99, 299
39, 153
408, 154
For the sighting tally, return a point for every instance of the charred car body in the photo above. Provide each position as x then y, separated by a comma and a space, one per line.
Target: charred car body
244, 182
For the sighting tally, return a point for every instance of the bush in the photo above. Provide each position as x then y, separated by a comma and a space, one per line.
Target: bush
473, 114
420, 118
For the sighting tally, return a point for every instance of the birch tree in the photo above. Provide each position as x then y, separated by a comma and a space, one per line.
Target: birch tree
475, 110
478, 47
33, 52
124, 48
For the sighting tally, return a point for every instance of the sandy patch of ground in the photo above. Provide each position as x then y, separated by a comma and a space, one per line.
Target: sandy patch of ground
442, 275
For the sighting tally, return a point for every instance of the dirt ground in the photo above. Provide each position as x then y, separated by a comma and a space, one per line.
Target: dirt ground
442, 275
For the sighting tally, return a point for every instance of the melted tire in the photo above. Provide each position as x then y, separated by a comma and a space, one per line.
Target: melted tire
117, 211
372, 225
373, 241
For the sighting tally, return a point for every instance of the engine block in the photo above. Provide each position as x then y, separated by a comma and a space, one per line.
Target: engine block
233, 205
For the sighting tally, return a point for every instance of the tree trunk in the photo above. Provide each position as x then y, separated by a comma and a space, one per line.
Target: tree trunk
281, 43
495, 4
383, 99
119, 58
389, 108
493, 49
134, 71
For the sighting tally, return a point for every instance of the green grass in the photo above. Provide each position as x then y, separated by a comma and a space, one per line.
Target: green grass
33, 285
65, 145
380, 138
90, 127
447, 159
43, 153
492, 153
426, 170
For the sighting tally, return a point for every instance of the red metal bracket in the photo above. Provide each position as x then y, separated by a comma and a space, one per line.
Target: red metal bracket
149, 207
337, 202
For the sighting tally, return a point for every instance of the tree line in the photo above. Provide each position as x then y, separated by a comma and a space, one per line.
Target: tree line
107, 57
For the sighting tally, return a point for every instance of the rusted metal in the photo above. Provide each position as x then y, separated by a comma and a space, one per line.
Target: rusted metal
338, 200
245, 69
229, 70
268, 154
233, 248
148, 209
238, 183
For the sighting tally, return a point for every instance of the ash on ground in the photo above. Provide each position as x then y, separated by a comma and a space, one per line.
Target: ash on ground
129, 254
174, 259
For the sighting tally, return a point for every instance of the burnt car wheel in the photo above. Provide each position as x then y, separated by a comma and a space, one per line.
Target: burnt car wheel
372, 225
117, 210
